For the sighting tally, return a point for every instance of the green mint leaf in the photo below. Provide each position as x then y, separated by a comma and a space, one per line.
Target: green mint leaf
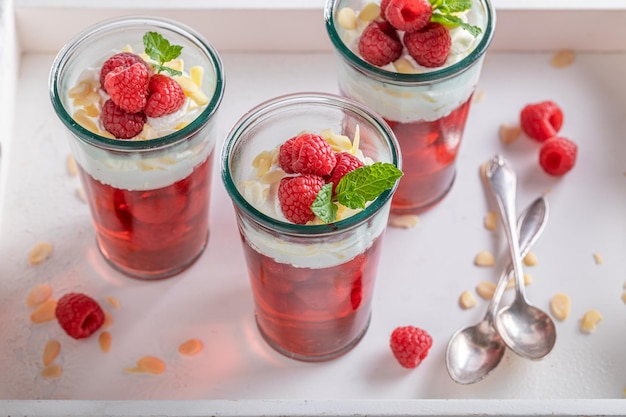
366, 184
455, 6
171, 71
159, 49
323, 206
454, 21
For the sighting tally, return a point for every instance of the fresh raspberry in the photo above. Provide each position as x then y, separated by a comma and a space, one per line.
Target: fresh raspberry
346, 162
119, 123
296, 194
124, 60
307, 154
79, 315
165, 96
558, 155
383, 7
429, 46
379, 43
128, 87
408, 15
286, 153
410, 345
541, 121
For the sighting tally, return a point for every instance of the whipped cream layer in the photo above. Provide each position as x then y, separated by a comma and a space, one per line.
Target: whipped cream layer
426, 101
140, 170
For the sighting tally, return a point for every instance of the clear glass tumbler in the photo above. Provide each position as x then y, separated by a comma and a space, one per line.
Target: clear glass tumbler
149, 196
427, 109
312, 284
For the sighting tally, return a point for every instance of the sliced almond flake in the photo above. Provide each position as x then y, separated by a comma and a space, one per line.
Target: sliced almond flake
624, 297
196, 73
70, 163
51, 371
484, 258
590, 321
467, 300
92, 110
127, 48
598, 258
80, 194
91, 98
511, 282
104, 340
369, 12
176, 64
404, 66
405, 221
347, 19
356, 142
486, 289
491, 220
50, 351
79, 90
560, 306
478, 96
39, 253
82, 118
272, 177
148, 364
113, 301
530, 259
509, 133
45, 312
190, 347
38, 294
563, 58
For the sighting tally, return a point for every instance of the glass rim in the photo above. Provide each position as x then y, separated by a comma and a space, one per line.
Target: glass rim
74, 45
247, 122
410, 79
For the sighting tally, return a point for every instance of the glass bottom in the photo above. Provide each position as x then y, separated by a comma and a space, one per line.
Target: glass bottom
315, 358
153, 275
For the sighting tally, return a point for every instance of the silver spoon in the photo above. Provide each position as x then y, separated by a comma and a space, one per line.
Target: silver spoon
473, 352
525, 329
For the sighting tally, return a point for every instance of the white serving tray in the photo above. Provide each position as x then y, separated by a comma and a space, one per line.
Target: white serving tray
422, 272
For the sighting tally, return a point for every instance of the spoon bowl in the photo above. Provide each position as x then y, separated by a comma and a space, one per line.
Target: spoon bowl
473, 352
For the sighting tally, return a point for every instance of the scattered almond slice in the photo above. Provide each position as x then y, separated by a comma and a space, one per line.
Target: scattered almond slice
590, 321
598, 258
491, 220
39, 253
560, 306
52, 371
70, 163
478, 96
148, 364
114, 302
485, 289
530, 259
624, 297
404, 66
50, 351
190, 347
509, 133
511, 282
484, 258
467, 300
80, 194
405, 221
45, 312
38, 294
104, 340
347, 18
197, 73
563, 58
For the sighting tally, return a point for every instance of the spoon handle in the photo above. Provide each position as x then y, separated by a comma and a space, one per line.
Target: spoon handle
503, 182
531, 224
